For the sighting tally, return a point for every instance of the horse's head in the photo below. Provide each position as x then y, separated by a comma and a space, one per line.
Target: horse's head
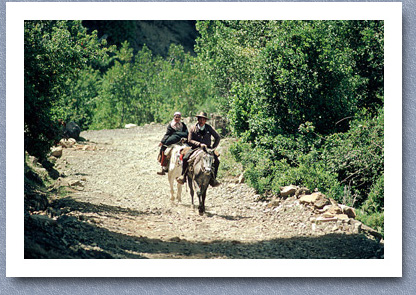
207, 161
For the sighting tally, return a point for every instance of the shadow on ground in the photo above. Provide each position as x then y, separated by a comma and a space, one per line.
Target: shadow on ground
75, 237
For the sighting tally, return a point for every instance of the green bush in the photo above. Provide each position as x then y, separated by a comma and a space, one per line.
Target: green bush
357, 156
55, 52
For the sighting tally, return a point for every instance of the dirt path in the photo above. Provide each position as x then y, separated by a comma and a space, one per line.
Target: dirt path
118, 207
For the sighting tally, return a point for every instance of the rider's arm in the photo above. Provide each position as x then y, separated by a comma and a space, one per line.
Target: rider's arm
216, 136
192, 138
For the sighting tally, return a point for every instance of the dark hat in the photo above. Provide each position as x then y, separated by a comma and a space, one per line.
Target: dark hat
202, 115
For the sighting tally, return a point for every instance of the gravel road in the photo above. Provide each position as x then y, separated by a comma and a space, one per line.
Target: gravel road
116, 206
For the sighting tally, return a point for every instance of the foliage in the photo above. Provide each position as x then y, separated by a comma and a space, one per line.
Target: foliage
357, 156
306, 100
55, 51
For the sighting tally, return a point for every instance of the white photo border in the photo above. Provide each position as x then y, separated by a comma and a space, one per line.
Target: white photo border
17, 12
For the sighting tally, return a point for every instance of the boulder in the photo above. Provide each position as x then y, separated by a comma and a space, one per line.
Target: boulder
321, 201
286, 191
56, 151
348, 211
316, 198
67, 143
302, 191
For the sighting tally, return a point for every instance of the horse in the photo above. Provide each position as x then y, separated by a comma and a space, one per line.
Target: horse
175, 169
200, 173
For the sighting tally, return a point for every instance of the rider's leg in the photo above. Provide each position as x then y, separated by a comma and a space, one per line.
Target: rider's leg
163, 161
181, 179
214, 182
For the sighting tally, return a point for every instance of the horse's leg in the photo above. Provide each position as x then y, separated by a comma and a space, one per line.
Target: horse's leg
201, 203
170, 177
198, 193
191, 189
204, 194
179, 191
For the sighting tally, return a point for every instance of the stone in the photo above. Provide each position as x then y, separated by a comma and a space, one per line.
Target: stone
321, 201
241, 179
334, 210
288, 190
56, 151
76, 183
274, 203
307, 199
302, 191
342, 217
328, 215
326, 219
357, 227
128, 126
348, 211
67, 143
316, 198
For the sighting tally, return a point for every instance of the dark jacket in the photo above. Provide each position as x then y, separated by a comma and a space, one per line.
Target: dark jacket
196, 136
173, 136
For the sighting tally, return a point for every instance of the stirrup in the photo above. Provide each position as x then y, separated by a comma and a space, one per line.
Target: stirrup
181, 179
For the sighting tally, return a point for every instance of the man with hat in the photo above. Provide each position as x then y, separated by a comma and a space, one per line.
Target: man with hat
199, 136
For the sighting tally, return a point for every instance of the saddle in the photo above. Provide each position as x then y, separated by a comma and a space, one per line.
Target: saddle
168, 152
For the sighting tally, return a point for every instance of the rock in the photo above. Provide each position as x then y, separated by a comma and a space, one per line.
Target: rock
321, 201
334, 210
128, 126
307, 199
357, 227
52, 159
302, 191
43, 219
328, 215
67, 143
288, 190
33, 160
342, 217
76, 183
56, 151
274, 203
241, 179
326, 219
371, 231
348, 211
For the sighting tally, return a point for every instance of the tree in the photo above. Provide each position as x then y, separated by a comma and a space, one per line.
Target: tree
55, 51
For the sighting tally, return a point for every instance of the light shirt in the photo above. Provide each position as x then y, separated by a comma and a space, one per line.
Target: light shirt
201, 128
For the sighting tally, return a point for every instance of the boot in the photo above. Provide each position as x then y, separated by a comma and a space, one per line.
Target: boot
214, 182
162, 171
181, 179
162, 161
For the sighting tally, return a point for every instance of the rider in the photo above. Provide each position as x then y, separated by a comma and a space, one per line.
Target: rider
175, 131
200, 137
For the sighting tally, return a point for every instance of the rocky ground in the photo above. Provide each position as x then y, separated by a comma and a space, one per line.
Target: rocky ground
116, 206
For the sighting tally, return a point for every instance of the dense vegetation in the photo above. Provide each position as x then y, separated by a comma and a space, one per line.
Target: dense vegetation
304, 98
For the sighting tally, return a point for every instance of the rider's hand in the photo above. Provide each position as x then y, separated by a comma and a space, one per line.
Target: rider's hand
160, 144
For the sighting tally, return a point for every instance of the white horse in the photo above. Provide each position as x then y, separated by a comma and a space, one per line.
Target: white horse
175, 170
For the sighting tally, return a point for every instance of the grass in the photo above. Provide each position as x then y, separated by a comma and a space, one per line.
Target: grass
229, 169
